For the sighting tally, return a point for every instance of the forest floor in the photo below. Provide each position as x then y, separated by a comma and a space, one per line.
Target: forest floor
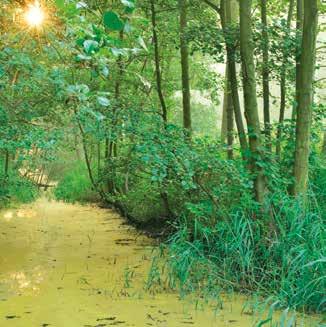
68, 265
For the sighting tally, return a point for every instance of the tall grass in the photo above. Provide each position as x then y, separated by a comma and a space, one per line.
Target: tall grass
75, 186
282, 255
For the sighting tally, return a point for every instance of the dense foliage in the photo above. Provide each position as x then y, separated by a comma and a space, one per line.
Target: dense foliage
92, 100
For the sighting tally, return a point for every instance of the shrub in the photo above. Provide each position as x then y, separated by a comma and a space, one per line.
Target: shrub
283, 255
75, 186
16, 189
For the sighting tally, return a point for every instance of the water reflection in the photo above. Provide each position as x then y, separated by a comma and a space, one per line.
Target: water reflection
26, 213
8, 215
25, 281
21, 213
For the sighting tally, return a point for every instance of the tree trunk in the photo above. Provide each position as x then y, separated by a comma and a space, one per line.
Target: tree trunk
250, 97
283, 86
228, 116
267, 120
305, 96
117, 86
185, 65
232, 74
6, 168
98, 159
86, 156
112, 145
157, 64
230, 18
323, 151
324, 144
163, 192
299, 28
76, 143
224, 129
230, 121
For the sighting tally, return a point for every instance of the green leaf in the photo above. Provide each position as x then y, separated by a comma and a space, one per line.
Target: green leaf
264, 322
103, 101
90, 46
81, 57
105, 71
2, 72
118, 52
142, 43
130, 6
60, 3
112, 21
129, 10
81, 5
127, 28
80, 42
71, 9
128, 3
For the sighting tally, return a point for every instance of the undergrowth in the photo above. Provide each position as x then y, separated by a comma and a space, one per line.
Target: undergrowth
278, 253
15, 189
281, 255
75, 186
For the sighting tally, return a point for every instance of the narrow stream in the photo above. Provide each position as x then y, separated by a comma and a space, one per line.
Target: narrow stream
64, 265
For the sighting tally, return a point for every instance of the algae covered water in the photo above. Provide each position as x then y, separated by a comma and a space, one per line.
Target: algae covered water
65, 265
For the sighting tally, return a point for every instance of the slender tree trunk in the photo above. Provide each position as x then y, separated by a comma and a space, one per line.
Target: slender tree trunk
230, 122
6, 168
185, 65
250, 97
299, 28
86, 156
283, 86
77, 145
109, 143
117, 92
111, 146
232, 74
267, 120
305, 96
98, 160
228, 116
157, 64
106, 152
163, 192
230, 18
237, 107
224, 129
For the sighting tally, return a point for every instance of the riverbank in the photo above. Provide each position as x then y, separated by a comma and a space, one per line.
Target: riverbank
77, 266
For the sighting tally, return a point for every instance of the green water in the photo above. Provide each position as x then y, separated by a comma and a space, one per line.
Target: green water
69, 265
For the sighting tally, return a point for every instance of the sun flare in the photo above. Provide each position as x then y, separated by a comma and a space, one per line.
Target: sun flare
34, 15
